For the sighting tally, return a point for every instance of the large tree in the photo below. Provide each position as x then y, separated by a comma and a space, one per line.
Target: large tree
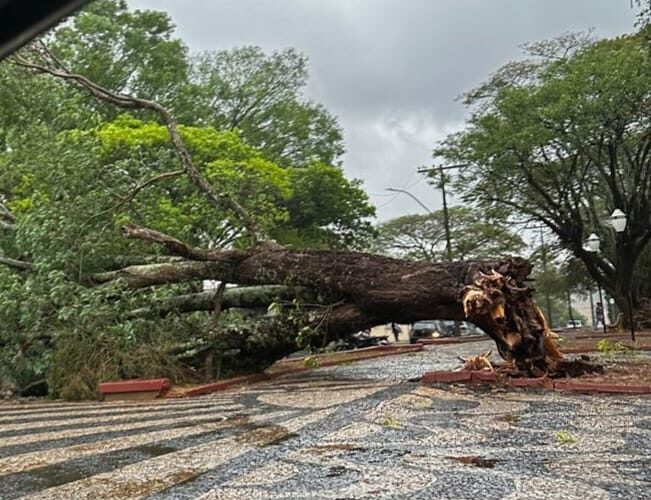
352, 290
422, 237
564, 138
221, 210
262, 96
74, 168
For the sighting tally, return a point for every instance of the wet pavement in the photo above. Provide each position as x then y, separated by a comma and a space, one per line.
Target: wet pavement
360, 430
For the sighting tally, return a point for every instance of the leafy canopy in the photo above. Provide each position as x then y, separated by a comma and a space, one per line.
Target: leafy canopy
422, 237
564, 138
73, 170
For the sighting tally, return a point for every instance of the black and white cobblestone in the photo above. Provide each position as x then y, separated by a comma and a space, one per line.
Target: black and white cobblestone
356, 431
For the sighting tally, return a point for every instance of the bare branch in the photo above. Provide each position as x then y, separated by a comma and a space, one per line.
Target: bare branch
6, 213
176, 246
9, 221
16, 264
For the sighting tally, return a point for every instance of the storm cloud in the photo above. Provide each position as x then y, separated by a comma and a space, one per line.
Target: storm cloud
392, 70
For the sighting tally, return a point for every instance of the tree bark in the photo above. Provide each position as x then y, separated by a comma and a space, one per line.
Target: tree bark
365, 290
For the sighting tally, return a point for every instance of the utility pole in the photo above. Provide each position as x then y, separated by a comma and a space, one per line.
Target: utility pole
446, 216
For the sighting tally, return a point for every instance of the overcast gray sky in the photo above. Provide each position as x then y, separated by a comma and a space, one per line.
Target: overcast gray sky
391, 69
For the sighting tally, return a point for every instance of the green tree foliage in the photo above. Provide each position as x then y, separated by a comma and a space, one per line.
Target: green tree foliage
136, 52
261, 95
73, 170
127, 51
326, 210
422, 237
564, 138
555, 279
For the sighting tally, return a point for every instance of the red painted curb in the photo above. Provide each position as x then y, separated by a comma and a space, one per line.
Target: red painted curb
221, 386
446, 377
136, 385
479, 377
380, 350
587, 387
483, 376
579, 350
379, 353
608, 336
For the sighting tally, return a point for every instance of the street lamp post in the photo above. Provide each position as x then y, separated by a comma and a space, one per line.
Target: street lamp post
593, 244
396, 190
618, 223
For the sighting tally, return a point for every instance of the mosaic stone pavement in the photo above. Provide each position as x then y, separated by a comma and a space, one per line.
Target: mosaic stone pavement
327, 435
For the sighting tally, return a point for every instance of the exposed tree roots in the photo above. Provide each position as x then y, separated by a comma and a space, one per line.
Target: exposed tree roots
505, 309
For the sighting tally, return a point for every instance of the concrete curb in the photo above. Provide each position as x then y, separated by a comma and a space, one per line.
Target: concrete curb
222, 385
487, 377
608, 336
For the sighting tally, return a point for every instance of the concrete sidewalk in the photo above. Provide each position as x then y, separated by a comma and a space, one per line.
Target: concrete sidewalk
355, 431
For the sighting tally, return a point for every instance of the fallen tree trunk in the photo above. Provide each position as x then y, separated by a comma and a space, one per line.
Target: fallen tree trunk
367, 290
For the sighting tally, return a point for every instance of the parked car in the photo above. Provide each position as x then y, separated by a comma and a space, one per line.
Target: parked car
437, 328
425, 329
571, 324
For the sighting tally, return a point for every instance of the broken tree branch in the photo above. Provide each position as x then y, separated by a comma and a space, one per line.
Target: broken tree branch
16, 264
7, 225
176, 246
7, 219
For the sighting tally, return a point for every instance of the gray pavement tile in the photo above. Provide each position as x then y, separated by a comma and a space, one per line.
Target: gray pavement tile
354, 431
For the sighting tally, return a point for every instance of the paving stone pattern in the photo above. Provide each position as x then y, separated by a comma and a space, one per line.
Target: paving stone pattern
355, 431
